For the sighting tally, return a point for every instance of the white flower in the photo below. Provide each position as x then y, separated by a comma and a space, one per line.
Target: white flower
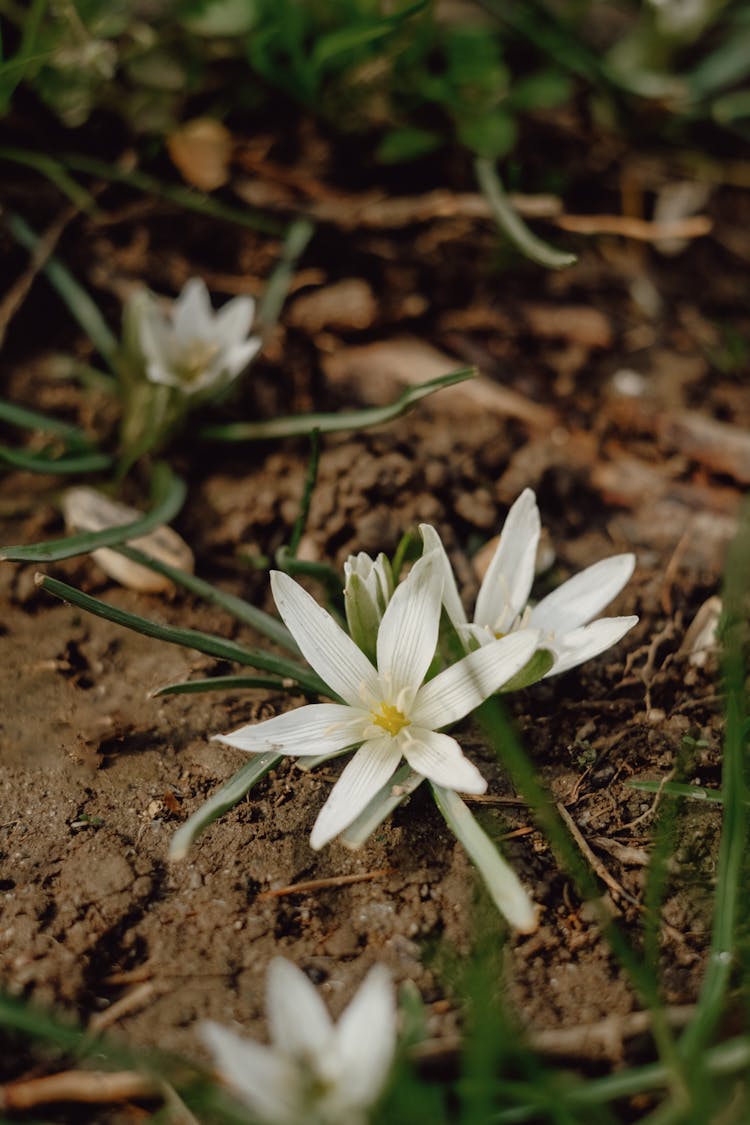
316, 1072
564, 617
388, 711
194, 348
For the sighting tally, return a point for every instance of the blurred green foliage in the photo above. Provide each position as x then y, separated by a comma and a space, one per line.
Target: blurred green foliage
415, 74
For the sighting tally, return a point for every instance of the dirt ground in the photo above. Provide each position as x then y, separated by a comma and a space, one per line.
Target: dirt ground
617, 389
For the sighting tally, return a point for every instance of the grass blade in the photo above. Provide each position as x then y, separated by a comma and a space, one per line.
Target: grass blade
189, 638
28, 419
71, 463
296, 239
511, 223
222, 801
222, 683
243, 611
81, 306
168, 494
504, 886
55, 173
679, 789
333, 423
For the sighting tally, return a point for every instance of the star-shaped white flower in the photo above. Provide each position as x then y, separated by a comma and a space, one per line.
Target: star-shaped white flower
564, 618
194, 348
315, 1072
388, 711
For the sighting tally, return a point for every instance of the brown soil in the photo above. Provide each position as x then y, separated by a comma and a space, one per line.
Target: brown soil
97, 776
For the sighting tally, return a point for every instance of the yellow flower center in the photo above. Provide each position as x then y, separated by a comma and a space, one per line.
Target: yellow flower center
195, 358
390, 719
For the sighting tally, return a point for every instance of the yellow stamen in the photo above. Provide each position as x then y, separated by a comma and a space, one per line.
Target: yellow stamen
390, 719
195, 358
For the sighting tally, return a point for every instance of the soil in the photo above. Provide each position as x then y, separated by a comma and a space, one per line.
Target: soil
629, 416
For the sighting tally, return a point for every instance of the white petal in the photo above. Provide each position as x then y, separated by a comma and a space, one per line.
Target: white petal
451, 598
261, 1077
582, 644
323, 643
300, 1025
507, 583
366, 1038
319, 728
192, 315
584, 595
408, 632
232, 322
440, 758
238, 357
373, 764
462, 687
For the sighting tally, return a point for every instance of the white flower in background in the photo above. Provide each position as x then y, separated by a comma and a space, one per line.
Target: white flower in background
315, 1072
564, 618
192, 347
388, 710
368, 587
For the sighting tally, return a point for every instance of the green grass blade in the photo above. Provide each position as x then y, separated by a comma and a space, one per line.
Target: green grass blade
168, 494
334, 423
679, 789
72, 463
53, 171
296, 239
188, 198
222, 683
189, 638
240, 609
13, 71
734, 787
28, 419
504, 886
222, 801
74, 295
511, 223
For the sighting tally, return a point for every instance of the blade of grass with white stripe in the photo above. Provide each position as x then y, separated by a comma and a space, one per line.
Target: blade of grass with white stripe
240, 609
168, 496
29, 419
511, 223
504, 886
222, 801
188, 638
401, 785
298, 424
223, 683
680, 789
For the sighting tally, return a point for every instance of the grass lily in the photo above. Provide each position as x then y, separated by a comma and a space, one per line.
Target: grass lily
388, 710
193, 348
564, 618
315, 1072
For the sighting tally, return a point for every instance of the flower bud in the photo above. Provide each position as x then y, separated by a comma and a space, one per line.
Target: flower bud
367, 590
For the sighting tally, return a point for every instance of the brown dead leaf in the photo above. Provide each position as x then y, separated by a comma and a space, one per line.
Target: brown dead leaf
201, 150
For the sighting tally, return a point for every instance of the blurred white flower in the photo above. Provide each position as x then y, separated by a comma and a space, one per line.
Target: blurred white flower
388, 711
192, 347
315, 1072
563, 618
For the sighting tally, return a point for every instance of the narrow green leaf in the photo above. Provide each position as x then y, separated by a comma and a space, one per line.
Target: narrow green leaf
537, 667
242, 610
503, 884
333, 423
400, 786
223, 683
54, 172
679, 789
296, 239
168, 494
72, 463
74, 295
188, 198
222, 801
28, 419
189, 638
511, 223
